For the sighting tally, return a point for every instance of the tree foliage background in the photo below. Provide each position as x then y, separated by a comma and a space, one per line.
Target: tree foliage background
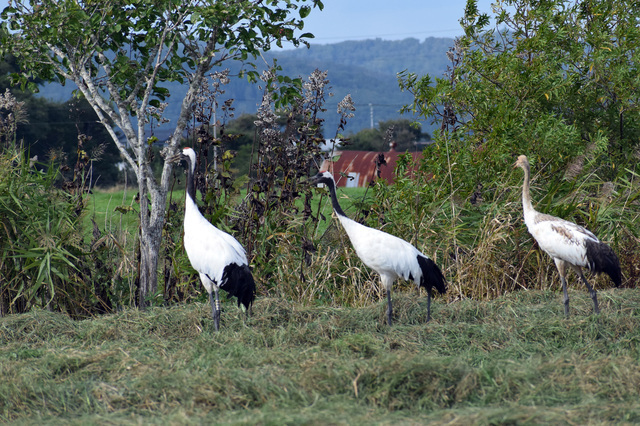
556, 81
120, 54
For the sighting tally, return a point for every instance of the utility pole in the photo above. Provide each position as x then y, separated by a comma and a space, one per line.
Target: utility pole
371, 114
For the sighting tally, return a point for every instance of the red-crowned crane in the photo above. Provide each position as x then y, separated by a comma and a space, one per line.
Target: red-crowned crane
218, 257
568, 244
390, 256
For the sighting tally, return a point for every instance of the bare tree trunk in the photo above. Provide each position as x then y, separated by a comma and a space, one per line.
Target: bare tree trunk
149, 247
151, 225
151, 239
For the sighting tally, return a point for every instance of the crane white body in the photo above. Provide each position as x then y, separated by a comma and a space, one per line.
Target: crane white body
388, 255
568, 244
391, 257
559, 238
208, 248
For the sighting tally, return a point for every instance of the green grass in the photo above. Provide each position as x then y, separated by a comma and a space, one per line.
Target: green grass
512, 360
115, 209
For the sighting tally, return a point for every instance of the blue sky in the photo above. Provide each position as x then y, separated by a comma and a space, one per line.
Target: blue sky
386, 19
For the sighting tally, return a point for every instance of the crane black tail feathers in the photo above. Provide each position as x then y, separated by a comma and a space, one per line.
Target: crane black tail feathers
601, 258
431, 275
237, 280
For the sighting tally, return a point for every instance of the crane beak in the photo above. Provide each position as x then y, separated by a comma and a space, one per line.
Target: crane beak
517, 164
314, 180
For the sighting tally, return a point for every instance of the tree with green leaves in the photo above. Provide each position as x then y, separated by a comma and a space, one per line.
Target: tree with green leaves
403, 132
556, 80
551, 79
119, 53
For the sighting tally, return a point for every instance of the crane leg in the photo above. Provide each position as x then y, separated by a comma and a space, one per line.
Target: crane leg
562, 271
389, 307
593, 293
428, 305
215, 309
566, 296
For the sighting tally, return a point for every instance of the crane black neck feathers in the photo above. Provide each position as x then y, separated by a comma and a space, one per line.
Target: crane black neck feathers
330, 183
191, 190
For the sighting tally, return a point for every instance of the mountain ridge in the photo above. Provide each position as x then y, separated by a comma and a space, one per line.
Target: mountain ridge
366, 69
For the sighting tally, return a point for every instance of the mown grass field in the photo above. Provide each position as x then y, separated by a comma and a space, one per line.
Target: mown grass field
513, 360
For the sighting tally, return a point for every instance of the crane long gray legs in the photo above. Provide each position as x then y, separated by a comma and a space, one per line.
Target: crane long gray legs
566, 296
389, 308
428, 305
593, 293
215, 308
217, 318
562, 271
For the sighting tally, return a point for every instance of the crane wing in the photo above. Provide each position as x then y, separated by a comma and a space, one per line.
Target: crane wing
209, 249
562, 239
382, 252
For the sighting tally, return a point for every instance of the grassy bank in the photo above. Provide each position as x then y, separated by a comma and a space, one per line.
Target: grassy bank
512, 360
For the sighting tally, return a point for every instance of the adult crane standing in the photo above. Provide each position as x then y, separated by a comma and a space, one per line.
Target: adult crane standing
568, 244
218, 257
388, 255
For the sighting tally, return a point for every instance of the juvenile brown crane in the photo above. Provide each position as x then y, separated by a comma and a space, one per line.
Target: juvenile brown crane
568, 244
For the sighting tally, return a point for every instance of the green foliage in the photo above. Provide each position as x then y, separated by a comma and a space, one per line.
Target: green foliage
276, 231
50, 129
120, 28
549, 82
513, 360
120, 53
44, 258
402, 132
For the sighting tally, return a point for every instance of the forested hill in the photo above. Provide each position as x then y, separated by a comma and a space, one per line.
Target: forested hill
378, 56
365, 69
368, 71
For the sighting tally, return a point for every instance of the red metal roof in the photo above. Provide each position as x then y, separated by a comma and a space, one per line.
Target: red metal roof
361, 166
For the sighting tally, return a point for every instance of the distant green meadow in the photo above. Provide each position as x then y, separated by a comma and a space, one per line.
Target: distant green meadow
117, 209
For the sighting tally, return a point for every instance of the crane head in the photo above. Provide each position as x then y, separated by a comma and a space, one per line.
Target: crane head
324, 177
187, 154
522, 162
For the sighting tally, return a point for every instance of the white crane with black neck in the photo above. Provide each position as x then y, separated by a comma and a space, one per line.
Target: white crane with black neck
388, 255
568, 244
218, 257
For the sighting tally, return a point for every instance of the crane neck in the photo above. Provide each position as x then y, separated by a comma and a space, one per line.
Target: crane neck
526, 195
191, 188
334, 199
